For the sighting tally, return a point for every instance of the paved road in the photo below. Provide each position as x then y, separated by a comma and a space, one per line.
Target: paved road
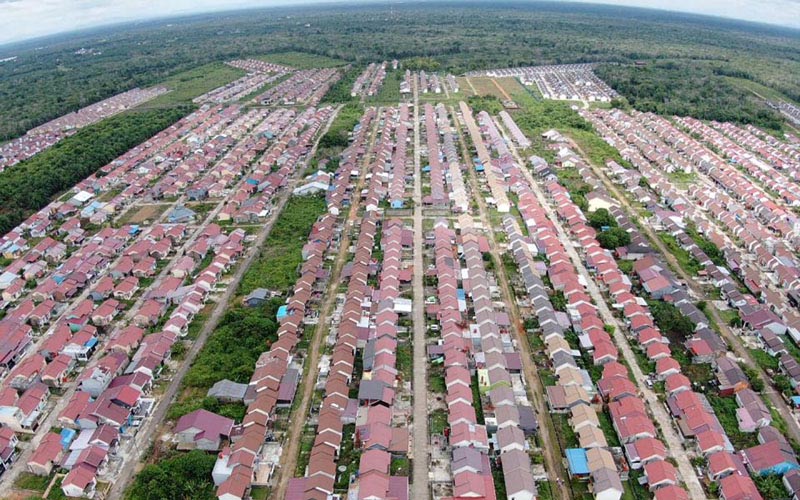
554, 465
293, 434
419, 478
671, 438
730, 336
147, 431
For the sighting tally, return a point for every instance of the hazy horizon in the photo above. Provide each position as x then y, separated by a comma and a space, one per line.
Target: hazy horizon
29, 19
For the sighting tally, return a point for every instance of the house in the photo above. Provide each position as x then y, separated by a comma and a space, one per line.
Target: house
8, 447
46, 455
731, 377
773, 457
738, 487
752, 413
203, 430
80, 482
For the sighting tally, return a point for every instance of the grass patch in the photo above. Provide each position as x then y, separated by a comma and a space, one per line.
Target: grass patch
28, 481
276, 267
725, 409
187, 85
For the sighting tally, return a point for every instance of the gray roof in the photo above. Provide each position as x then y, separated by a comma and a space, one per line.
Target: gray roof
227, 389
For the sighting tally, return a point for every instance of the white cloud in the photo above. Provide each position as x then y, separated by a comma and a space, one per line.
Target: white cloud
22, 19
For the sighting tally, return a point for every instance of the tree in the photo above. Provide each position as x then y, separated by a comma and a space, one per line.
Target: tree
614, 238
601, 218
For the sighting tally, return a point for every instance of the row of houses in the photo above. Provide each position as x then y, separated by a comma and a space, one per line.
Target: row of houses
259, 74
576, 82
273, 384
764, 263
492, 169
762, 147
702, 427
168, 303
370, 81
46, 135
305, 87
761, 272
368, 322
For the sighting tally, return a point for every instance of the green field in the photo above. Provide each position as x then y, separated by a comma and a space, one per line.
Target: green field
302, 60
187, 85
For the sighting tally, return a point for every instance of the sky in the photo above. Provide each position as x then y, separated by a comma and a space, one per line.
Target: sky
23, 19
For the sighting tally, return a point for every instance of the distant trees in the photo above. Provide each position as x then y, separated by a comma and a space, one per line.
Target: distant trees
696, 89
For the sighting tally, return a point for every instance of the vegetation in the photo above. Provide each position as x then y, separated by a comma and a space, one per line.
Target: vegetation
339, 131
613, 238
189, 84
50, 77
276, 267
28, 481
693, 88
185, 475
232, 349
340, 91
30, 185
670, 321
244, 333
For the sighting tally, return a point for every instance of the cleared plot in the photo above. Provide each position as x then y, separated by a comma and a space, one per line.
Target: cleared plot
464, 87
511, 86
138, 215
390, 91
187, 85
484, 86
301, 60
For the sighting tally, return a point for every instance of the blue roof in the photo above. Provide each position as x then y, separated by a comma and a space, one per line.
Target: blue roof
796, 400
91, 342
578, 464
479, 167
67, 435
460, 294
282, 311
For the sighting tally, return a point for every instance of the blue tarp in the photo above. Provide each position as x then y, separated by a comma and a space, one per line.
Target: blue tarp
578, 464
796, 400
67, 435
478, 167
282, 312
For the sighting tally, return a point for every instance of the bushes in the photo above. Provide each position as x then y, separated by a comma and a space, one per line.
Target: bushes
669, 320
183, 476
232, 350
614, 238
338, 134
276, 267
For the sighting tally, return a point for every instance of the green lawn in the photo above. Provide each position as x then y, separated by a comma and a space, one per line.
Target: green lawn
28, 481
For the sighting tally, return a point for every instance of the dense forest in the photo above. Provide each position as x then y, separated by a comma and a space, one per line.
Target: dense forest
30, 185
49, 76
690, 89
